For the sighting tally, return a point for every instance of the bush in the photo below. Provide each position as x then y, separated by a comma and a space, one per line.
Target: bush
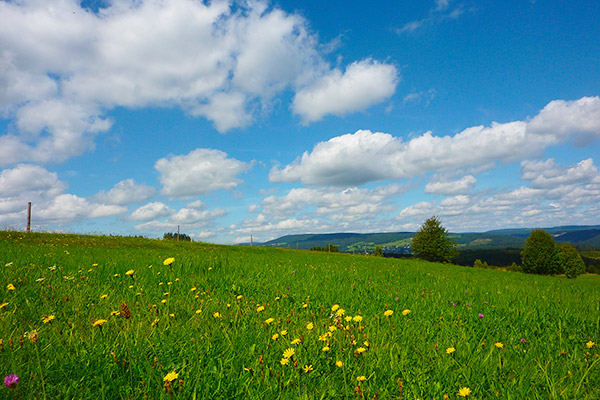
378, 251
541, 255
431, 242
571, 261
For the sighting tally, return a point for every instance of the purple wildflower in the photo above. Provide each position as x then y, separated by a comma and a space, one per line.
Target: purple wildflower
11, 381
523, 340
480, 315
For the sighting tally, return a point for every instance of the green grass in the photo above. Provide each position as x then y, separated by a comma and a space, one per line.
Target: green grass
234, 355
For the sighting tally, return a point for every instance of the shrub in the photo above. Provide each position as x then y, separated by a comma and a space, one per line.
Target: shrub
571, 261
378, 251
541, 255
431, 242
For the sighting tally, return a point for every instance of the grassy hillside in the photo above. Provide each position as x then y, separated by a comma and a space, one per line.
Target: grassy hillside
221, 322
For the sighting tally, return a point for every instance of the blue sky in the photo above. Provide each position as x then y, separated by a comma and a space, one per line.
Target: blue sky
233, 119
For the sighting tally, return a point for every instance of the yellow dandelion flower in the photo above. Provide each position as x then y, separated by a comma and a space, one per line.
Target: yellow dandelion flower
193, 289
48, 319
348, 319
130, 272
284, 361
171, 376
10, 286
341, 312
357, 318
260, 308
366, 343
323, 337
498, 345
169, 283
103, 296
295, 341
450, 350
116, 275
155, 322
3, 305
334, 307
198, 311
307, 368
217, 315
163, 301
304, 305
332, 328
172, 315
275, 336
309, 326
115, 313
406, 312
239, 297
289, 353
269, 320
169, 261
326, 349
361, 378
99, 322
276, 298
94, 265
590, 344
130, 286
388, 313
339, 364
464, 392
283, 332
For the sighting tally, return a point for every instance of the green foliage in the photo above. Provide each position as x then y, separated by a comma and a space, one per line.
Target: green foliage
174, 236
571, 261
431, 242
378, 251
480, 264
541, 255
331, 248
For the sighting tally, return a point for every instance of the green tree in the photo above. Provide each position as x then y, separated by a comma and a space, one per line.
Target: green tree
431, 242
571, 261
541, 255
378, 251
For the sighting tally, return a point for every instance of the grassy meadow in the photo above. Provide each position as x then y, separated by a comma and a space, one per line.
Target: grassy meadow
104, 318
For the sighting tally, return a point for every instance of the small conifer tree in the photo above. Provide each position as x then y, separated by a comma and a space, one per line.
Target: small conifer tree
431, 242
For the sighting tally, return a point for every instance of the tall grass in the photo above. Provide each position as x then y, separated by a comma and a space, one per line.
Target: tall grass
206, 317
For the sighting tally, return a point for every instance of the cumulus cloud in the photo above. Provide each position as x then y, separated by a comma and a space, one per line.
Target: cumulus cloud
462, 185
63, 67
363, 84
198, 172
125, 192
355, 159
548, 174
151, 211
186, 219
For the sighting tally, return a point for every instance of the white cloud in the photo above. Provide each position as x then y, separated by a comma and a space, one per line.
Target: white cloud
355, 159
151, 211
547, 174
186, 218
125, 192
460, 186
363, 84
25, 178
63, 67
199, 172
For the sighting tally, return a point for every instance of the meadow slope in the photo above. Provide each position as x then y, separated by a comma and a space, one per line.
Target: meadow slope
222, 322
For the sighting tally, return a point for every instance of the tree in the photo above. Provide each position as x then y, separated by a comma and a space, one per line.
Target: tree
541, 255
431, 242
571, 261
378, 251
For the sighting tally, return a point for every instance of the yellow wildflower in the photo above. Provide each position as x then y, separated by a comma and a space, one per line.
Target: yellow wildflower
94, 265
130, 272
217, 315
10, 286
360, 350
335, 307
289, 353
239, 296
309, 326
103, 296
357, 318
590, 344
171, 376
450, 350
275, 336
348, 318
361, 378
341, 312
3, 305
498, 345
198, 311
193, 289
464, 392
295, 341
307, 368
163, 301
339, 364
332, 328
260, 308
169, 261
99, 322
284, 361
155, 322
388, 313
115, 313
269, 320
48, 319
326, 349
283, 332
172, 315
406, 312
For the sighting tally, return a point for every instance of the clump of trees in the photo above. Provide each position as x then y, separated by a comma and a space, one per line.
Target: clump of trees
331, 248
378, 252
431, 242
173, 236
542, 256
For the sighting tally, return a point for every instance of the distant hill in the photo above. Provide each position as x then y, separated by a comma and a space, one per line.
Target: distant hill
399, 242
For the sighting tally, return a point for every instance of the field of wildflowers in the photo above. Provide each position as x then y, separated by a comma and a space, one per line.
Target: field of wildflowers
108, 317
